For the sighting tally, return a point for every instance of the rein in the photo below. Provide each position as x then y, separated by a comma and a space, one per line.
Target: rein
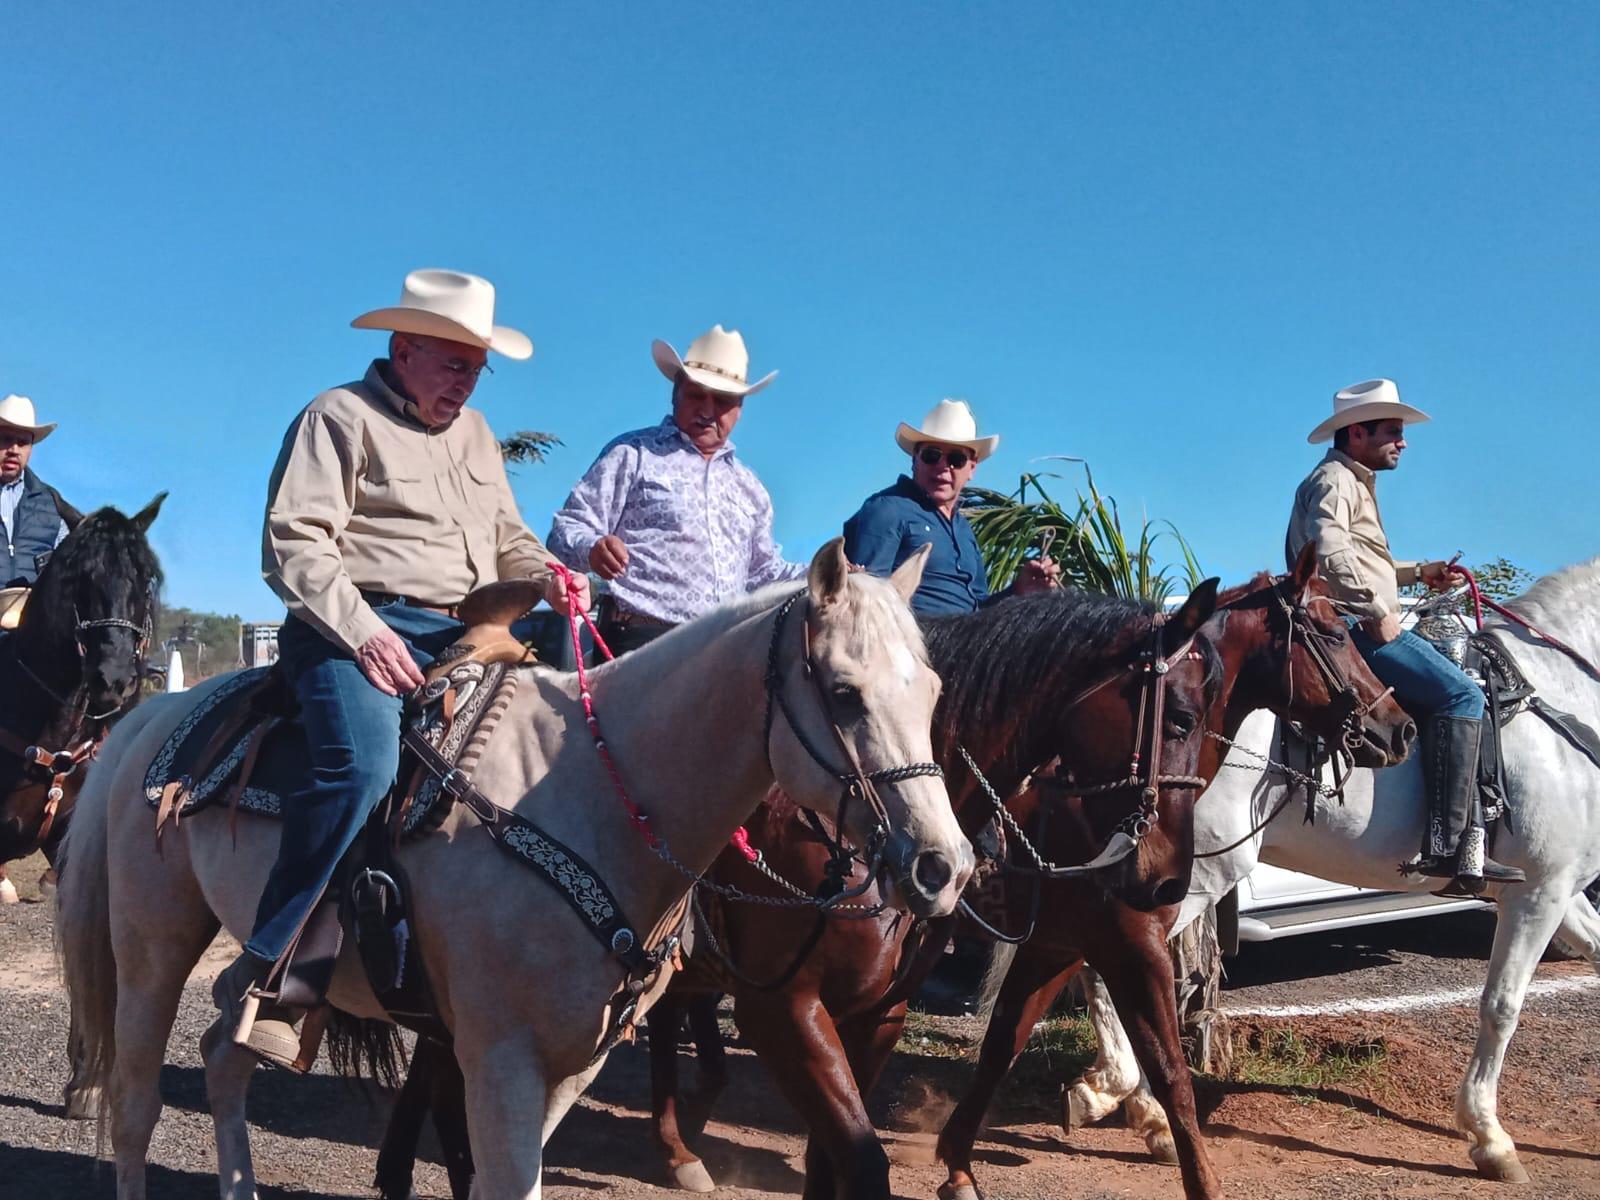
1479, 600
832, 897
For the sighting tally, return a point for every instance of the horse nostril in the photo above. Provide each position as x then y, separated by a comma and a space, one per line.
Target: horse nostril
931, 872
1408, 734
1170, 891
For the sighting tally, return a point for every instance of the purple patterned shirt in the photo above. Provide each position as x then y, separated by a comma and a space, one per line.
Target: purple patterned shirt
698, 530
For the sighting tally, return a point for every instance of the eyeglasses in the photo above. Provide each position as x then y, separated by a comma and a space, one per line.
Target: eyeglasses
931, 456
459, 367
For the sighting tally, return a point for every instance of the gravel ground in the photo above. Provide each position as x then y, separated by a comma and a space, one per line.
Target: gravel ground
1391, 1136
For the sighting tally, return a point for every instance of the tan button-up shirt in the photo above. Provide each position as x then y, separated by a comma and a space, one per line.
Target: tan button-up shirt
364, 496
1337, 508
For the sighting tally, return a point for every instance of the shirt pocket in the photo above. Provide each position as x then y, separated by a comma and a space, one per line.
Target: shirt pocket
394, 488
482, 484
656, 504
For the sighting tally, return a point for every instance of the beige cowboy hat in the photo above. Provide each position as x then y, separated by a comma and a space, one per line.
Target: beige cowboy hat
451, 305
1374, 400
950, 423
17, 413
716, 360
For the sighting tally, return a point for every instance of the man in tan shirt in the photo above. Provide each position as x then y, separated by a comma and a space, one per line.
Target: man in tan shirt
1336, 507
388, 504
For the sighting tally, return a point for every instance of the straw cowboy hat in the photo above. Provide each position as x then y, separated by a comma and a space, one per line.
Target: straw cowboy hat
16, 412
1374, 400
451, 305
950, 423
716, 360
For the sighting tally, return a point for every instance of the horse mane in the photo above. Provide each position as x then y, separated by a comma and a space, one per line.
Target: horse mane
1001, 660
106, 546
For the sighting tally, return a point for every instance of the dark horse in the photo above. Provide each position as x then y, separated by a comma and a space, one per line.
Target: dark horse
826, 1036
73, 663
1011, 677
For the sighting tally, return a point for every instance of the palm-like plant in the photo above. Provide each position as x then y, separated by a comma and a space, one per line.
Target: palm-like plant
1087, 540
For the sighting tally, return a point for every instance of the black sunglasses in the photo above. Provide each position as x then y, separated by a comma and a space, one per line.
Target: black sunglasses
932, 455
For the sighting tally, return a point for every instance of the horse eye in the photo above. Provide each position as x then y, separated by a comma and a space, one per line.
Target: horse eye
1182, 723
846, 695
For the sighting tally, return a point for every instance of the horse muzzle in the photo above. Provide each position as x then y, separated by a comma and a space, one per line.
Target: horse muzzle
927, 882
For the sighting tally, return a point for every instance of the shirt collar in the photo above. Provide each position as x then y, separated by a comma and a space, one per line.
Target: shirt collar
669, 432
397, 403
1365, 474
16, 485
911, 490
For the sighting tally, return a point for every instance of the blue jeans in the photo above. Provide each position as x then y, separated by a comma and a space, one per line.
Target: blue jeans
354, 735
1425, 682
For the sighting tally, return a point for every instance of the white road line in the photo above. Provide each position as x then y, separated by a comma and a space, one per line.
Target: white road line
1539, 987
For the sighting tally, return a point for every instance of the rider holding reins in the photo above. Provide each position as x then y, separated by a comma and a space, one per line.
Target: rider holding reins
1336, 507
388, 504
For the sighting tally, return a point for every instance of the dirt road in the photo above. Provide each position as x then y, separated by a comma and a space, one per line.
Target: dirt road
1382, 1129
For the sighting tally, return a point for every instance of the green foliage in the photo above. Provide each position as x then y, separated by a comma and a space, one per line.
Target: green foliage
211, 645
1086, 538
527, 446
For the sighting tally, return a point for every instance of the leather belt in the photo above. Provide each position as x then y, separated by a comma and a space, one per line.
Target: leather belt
613, 613
380, 599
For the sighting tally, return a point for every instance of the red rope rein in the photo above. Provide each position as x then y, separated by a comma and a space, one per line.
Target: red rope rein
641, 819
1479, 600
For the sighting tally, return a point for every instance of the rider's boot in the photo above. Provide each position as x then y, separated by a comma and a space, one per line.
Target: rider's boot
1453, 845
264, 1028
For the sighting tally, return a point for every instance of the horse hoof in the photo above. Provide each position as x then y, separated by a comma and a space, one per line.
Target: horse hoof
692, 1176
80, 1105
1163, 1148
8, 892
960, 1191
1073, 1117
1502, 1169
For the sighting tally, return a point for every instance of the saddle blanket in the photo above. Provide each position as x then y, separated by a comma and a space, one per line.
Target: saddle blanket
247, 724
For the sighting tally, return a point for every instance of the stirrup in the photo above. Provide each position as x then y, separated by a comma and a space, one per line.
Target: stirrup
267, 1031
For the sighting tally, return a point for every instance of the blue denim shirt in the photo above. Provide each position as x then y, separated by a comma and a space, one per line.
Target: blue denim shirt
890, 527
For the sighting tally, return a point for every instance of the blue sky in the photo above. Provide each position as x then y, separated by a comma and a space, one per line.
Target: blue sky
1155, 236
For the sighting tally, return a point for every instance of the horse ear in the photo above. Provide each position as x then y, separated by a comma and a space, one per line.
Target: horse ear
829, 570
146, 516
1305, 568
907, 576
1196, 611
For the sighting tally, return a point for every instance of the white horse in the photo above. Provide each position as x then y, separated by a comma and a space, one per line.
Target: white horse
522, 984
1555, 803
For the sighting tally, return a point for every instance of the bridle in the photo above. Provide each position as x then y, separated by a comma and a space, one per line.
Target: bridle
856, 783
50, 769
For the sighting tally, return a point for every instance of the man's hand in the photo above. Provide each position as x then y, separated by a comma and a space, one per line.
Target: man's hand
1384, 629
556, 594
609, 558
387, 664
1438, 575
1037, 575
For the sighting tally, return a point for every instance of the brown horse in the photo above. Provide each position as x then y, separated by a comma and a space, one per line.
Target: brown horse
825, 1034
70, 667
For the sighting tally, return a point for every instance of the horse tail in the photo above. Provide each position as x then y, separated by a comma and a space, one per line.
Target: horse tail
83, 935
1001, 957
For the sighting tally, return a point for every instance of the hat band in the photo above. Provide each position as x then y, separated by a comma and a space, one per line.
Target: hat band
736, 376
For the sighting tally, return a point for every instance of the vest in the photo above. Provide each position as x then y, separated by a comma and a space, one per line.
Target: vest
33, 531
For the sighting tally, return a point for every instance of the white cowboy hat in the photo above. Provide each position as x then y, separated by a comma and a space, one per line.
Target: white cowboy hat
716, 360
1374, 400
451, 305
17, 412
950, 423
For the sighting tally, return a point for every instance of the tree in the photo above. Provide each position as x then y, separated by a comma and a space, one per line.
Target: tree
1086, 539
208, 642
527, 446
1498, 579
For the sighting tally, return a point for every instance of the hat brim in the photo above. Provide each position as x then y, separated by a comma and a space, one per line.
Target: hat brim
512, 343
40, 432
1376, 410
671, 365
909, 437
